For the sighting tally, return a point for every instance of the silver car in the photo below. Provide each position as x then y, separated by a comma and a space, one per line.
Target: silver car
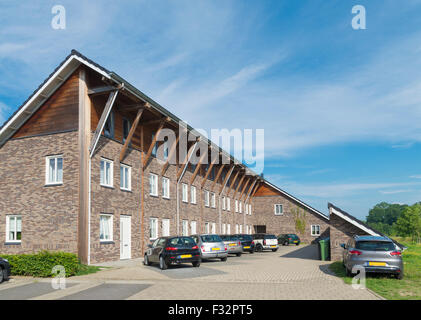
233, 244
374, 254
211, 246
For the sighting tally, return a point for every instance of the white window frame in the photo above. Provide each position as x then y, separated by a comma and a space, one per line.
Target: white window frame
246, 207
236, 206
224, 228
153, 188
165, 225
275, 208
56, 180
110, 227
213, 200
193, 195
228, 204
165, 188
240, 206
236, 228
111, 182
213, 228
241, 228
193, 227
151, 237
207, 227
228, 228
223, 203
314, 234
250, 209
185, 192
206, 196
185, 228
129, 180
15, 218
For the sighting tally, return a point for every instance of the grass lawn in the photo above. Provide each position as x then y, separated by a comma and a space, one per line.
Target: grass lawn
85, 269
388, 287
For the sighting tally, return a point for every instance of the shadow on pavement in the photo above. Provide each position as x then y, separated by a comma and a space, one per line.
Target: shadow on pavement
310, 252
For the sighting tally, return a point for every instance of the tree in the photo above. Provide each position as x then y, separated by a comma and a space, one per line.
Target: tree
409, 223
384, 215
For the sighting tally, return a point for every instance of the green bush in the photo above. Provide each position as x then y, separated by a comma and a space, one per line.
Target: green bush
42, 263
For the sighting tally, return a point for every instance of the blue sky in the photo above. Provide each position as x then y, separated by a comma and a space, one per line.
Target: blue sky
341, 108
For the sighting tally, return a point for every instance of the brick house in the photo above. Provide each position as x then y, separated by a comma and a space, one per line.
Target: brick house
83, 170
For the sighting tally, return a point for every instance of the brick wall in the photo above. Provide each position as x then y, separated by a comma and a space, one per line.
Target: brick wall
264, 215
49, 214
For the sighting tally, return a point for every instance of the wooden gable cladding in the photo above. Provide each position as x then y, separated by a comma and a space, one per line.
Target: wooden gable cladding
265, 190
58, 114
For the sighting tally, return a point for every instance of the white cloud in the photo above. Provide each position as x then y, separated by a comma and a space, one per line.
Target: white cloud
416, 176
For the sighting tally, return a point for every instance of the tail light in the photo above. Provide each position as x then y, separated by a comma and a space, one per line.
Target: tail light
356, 252
264, 242
170, 248
239, 243
195, 247
226, 248
289, 238
396, 253
252, 242
203, 248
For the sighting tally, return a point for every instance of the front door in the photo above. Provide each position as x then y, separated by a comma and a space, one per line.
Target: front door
125, 237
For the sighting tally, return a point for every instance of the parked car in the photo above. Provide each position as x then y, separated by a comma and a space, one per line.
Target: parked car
289, 238
233, 244
247, 242
211, 246
265, 241
374, 254
4, 270
173, 250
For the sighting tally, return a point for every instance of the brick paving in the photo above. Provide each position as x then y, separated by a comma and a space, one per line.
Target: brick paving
291, 273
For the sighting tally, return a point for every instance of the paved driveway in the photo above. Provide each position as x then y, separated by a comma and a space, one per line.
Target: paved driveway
291, 273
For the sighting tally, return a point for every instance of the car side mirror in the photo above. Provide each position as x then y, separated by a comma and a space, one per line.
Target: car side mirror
343, 245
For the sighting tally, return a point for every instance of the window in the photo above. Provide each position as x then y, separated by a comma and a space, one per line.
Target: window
106, 173
155, 147
185, 228
241, 228
279, 210
213, 200
228, 204
206, 198
166, 150
236, 205
212, 174
105, 227
228, 228
236, 228
184, 189
54, 170
249, 209
13, 229
165, 188
206, 227
224, 228
193, 194
165, 227
315, 230
153, 228
213, 227
246, 207
126, 129
193, 225
241, 207
125, 177
109, 126
223, 203
153, 184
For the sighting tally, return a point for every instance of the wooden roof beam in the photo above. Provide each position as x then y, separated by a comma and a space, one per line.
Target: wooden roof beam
239, 185
209, 171
233, 182
131, 132
186, 160
148, 155
170, 155
244, 188
199, 164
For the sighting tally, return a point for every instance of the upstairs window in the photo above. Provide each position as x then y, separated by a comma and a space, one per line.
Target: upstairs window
315, 230
126, 129
153, 184
165, 188
14, 229
184, 191
54, 170
155, 147
279, 210
206, 198
166, 149
228, 204
236, 205
213, 200
193, 194
106, 173
125, 177
109, 126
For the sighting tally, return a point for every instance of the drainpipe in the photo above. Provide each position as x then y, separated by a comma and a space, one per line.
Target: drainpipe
220, 204
178, 183
245, 202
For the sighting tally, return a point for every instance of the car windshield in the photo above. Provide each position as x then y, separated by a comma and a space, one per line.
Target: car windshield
229, 238
375, 245
211, 238
245, 237
293, 236
270, 236
181, 242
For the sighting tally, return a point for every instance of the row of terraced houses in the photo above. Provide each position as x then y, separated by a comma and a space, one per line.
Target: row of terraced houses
82, 170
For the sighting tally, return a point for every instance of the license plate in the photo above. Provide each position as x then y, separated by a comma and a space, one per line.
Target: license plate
185, 256
377, 264
215, 249
246, 247
273, 246
232, 244
295, 241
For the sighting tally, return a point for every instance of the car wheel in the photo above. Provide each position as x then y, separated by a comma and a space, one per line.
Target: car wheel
259, 248
348, 272
162, 263
146, 261
297, 244
274, 250
286, 243
251, 251
224, 259
196, 264
238, 254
